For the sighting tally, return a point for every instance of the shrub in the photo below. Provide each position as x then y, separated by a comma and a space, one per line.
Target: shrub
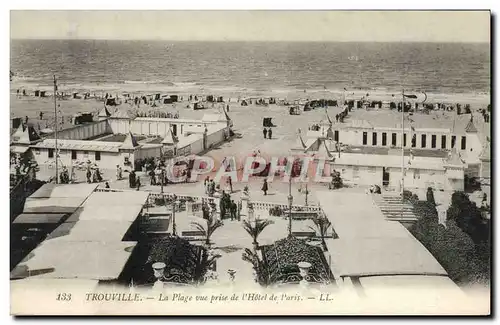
160, 201
276, 211
452, 248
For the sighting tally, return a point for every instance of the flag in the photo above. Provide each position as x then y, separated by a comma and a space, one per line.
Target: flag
410, 96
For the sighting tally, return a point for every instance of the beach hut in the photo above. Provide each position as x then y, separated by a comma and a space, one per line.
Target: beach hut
294, 110
267, 122
82, 118
111, 102
37, 93
198, 105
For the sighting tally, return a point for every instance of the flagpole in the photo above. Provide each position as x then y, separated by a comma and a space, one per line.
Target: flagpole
55, 126
402, 145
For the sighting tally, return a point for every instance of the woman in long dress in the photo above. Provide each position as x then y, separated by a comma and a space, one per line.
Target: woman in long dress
265, 187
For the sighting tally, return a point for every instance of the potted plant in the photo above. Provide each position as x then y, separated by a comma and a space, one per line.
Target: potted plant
322, 225
255, 228
212, 224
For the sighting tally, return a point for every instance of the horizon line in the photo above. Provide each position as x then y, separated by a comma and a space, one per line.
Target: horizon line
242, 40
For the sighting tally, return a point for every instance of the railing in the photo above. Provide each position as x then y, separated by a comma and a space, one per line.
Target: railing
199, 200
260, 205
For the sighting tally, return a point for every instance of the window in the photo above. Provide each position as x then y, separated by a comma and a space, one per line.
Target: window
384, 139
374, 138
97, 155
336, 136
464, 143
414, 141
85, 154
453, 141
394, 139
443, 142
433, 141
365, 138
51, 153
73, 154
404, 140
423, 141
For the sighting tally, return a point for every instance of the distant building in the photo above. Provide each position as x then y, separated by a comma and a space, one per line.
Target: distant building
438, 152
122, 138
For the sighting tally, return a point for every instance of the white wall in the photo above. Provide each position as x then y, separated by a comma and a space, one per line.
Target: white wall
85, 131
148, 152
119, 126
374, 175
485, 171
109, 160
354, 136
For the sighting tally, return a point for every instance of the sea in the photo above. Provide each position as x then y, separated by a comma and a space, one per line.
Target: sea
251, 68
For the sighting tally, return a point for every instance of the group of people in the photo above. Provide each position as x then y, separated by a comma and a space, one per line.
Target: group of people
228, 205
93, 175
134, 181
210, 187
268, 133
64, 176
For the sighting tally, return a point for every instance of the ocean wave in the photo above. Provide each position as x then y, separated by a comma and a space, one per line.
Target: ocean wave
145, 82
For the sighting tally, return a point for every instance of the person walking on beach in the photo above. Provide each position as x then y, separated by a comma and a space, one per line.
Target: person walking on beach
233, 209
89, 175
205, 184
265, 133
118, 172
138, 183
270, 133
131, 179
41, 115
265, 188
230, 183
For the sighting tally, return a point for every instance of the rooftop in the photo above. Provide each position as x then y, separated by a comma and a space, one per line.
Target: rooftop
84, 145
370, 245
392, 120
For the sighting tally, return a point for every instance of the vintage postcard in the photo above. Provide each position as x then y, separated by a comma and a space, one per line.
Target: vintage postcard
250, 162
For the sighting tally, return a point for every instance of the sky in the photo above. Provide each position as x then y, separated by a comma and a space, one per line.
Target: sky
355, 26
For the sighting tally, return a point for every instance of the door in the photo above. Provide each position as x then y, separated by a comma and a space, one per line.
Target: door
385, 176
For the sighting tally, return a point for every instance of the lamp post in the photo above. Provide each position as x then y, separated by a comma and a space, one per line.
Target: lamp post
162, 176
174, 226
307, 193
290, 201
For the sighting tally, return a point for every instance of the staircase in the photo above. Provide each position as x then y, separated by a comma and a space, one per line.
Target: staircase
393, 208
